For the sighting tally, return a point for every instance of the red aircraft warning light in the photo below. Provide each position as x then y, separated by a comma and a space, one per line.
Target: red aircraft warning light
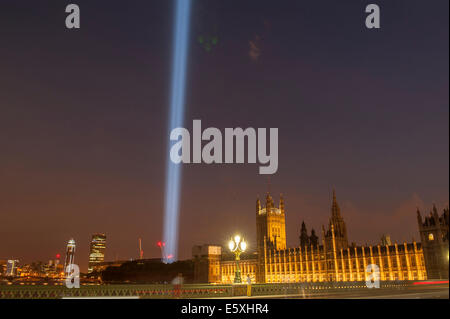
161, 244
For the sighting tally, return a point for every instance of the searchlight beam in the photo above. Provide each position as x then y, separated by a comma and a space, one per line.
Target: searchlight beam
176, 117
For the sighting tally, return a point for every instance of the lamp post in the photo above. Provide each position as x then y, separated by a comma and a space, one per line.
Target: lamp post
237, 245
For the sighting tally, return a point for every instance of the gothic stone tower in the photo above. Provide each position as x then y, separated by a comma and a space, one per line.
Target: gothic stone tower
434, 237
270, 230
340, 229
271, 223
305, 239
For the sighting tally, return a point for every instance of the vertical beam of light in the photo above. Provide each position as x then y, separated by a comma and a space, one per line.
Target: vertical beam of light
173, 172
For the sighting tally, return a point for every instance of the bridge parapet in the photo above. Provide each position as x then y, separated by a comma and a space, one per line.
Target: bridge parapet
185, 291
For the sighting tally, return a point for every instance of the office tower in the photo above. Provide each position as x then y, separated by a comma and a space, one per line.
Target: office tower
97, 251
70, 256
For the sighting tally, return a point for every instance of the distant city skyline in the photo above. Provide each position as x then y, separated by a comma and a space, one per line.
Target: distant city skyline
292, 240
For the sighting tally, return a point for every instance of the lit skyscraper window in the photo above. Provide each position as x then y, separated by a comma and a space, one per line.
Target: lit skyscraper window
97, 251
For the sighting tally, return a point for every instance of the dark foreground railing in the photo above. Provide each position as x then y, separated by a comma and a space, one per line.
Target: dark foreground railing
185, 291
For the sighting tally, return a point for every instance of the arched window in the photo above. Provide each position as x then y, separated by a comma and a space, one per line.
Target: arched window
430, 237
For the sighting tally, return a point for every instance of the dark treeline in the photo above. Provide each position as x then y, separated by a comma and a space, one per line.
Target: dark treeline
148, 272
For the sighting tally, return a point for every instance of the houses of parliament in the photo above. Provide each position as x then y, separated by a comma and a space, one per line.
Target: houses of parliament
329, 259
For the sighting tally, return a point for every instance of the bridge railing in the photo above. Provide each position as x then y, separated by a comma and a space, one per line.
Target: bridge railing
185, 291
319, 287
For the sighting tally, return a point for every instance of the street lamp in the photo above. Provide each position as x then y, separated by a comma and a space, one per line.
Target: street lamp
237, 245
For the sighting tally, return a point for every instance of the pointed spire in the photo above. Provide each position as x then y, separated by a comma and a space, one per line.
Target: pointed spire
281, 203
303, 226
435, 213
419, 217
269, 203
313, 238
304, 238
258, 205
335, 210
434, 208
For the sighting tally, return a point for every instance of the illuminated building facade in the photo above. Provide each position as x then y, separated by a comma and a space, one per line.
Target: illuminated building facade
332, 259
3, 263
70, 256
97, 251
434, 236
270, 223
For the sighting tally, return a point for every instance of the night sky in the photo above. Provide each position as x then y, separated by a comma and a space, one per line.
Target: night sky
84, 113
